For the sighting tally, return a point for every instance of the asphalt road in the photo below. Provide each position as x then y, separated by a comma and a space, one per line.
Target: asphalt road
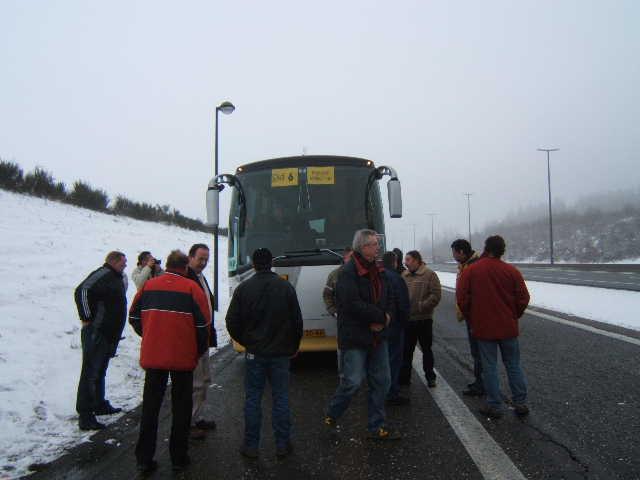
614, 276
584, 424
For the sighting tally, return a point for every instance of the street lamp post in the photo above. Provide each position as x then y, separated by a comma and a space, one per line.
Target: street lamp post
433, 257
549, 185
226, 108
468, 195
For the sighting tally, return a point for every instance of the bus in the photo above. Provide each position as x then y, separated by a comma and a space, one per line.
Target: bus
305, 210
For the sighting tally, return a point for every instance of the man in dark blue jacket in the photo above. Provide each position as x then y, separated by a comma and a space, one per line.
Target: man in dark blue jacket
264, 317
102, 307
364, 296
399, 319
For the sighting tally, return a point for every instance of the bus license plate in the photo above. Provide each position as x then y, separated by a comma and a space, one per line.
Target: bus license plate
319, 332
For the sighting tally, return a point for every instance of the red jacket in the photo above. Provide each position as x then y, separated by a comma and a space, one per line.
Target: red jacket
172, 315
492, 296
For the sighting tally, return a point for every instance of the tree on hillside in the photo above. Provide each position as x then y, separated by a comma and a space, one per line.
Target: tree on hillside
84, 195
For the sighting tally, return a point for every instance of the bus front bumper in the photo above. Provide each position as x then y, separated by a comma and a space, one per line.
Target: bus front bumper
308, 344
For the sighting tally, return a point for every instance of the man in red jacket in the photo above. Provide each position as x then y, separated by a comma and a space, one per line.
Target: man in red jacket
492, 296
172, 315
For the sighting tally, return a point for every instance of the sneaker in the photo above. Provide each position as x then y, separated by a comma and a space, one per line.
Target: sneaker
197, 433
282, 452
147, 467
179, 466
490, 412
330, 422
384, 433
398, 400
249, 452
521, 409
107, 409
90, 423
206, 424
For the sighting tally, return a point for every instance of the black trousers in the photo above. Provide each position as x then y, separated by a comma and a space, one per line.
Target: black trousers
418, 331
155, 384
96, 353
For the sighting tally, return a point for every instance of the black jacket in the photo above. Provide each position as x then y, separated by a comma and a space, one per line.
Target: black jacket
101, 299
264, 316
213, 338
356, 310
401, 304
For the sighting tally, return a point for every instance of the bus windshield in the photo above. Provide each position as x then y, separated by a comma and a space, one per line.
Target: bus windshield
301, 209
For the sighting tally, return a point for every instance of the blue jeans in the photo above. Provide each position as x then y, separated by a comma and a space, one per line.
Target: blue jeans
257, 370
510, 350
356, 363
396, 351
96, 353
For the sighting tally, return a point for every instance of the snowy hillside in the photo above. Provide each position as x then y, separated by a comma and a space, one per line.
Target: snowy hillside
47, 249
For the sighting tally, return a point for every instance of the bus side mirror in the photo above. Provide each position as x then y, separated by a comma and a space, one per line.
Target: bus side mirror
395, 198
213, 204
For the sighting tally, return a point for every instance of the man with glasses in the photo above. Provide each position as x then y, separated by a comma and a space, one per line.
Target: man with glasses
364, 311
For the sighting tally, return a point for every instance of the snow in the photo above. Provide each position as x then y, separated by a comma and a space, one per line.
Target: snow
616, 307
48, 248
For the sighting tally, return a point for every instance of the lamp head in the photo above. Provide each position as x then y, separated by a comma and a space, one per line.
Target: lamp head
226, 107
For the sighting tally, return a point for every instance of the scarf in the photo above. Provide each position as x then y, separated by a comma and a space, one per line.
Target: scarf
372, 272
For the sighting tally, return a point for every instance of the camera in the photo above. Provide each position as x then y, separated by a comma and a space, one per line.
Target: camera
158, 261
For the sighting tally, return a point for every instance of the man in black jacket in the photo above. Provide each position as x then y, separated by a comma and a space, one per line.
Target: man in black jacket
102, 306
198, 259
264, 317
364, 299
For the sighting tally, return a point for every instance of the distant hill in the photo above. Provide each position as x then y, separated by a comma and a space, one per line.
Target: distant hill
601, 228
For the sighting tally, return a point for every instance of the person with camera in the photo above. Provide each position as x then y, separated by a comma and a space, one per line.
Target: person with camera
148, 267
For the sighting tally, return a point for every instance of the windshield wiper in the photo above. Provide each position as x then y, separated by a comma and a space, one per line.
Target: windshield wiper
307, 253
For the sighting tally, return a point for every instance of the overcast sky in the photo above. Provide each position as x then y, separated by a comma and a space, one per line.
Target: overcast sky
456, 95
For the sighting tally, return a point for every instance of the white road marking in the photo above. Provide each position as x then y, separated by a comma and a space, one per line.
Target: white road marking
588, 328
490, 459
564, 321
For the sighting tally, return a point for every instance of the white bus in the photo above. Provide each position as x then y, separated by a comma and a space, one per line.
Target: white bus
305, 210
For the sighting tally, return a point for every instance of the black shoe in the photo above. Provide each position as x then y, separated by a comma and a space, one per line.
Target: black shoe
521, 409
282, 452
179, 466
431, 383
147, 467
473, 392
107, 409
90, 423
490, 412
206, 424
249, 452
398, 400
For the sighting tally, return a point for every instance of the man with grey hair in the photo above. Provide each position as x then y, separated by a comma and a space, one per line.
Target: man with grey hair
363, 298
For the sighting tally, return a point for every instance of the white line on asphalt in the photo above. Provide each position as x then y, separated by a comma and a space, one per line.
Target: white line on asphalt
490, 459
588, 328
599, 331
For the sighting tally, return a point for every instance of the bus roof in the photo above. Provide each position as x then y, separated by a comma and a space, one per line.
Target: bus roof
306, 160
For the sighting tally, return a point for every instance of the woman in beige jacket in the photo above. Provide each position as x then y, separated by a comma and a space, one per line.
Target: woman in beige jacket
424, 293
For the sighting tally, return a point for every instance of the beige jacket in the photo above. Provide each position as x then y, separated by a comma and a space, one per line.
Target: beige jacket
424, 292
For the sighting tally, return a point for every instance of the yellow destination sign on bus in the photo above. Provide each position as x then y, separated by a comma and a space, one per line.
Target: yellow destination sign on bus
321, 176
284, 177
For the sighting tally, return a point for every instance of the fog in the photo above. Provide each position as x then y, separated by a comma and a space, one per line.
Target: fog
457, 96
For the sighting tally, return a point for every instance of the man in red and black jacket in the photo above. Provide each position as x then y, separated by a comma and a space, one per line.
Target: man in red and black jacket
172, 315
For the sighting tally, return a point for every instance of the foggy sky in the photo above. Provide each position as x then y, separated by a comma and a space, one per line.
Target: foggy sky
457, 96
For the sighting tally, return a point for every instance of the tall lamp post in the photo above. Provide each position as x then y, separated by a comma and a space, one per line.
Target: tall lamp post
226, 108
549, 185
468, 195
433, 257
